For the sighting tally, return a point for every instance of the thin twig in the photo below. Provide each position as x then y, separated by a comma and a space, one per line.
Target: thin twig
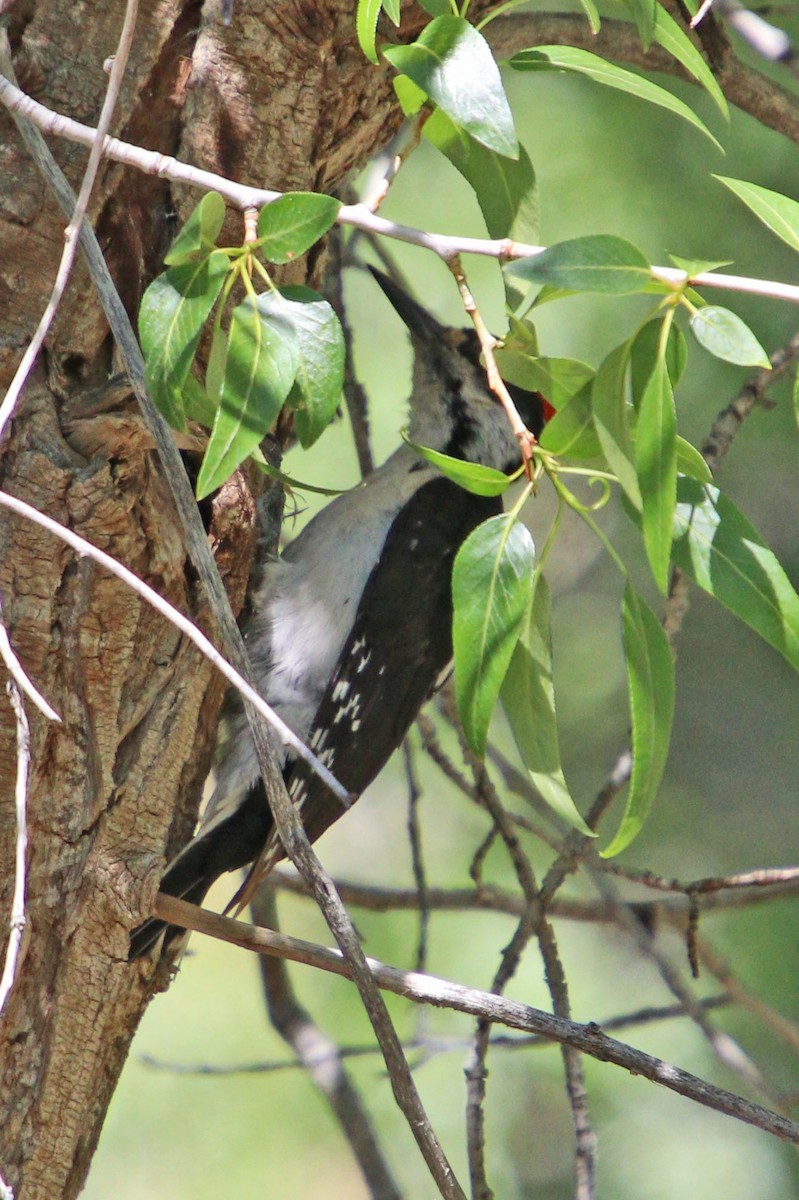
427, 989
19, 675
17, 922
359, 216
431, 1047
488, 898
417, 857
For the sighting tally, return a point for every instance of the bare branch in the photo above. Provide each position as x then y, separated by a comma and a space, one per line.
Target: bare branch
17, 922
427, 989
359, 216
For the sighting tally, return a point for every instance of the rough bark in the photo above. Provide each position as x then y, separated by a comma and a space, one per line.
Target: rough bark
280, 97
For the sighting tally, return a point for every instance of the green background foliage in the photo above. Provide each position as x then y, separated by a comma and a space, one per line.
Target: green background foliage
605, 164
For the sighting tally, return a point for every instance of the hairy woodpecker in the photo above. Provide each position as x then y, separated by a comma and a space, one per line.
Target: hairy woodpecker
351, 627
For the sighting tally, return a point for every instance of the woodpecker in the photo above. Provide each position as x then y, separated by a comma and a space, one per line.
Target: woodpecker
351, 627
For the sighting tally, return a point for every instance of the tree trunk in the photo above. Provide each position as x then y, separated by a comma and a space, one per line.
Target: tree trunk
281, 97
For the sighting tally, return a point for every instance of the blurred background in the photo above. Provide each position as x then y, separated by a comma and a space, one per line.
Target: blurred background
605, 164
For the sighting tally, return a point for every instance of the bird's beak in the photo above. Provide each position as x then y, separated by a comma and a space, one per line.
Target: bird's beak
418, 319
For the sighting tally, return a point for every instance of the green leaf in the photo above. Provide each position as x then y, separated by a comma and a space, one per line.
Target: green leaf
173, 311
567, 58
198, 404
691, 463
656, 465
410, 96
592, 12
556, 378
260, 367
644, 15
472, 477
366, 26
198, 236
778, 212
436, 8
597, 263
610, 409
491, 584
528, 697
725, 336
315, 330
645, 352
717, 547
698, 266
650, 676
392, 10
454, 65
505, 188
571, 432
673, 39
291, 224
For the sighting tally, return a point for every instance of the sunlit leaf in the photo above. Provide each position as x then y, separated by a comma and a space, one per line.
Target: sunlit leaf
725, 336
410, 96
644, 15
366, 26
259, 370
592, 12
291, 224
650, 676
596, 263
473, 477
571, 432
316, 332
656, 465
528, 697
453, 64
198, 236
610, 409
718, 548
505, 187
672, 38
645, 352
691, 463
491, 584
173, 311
778, 212
582, 62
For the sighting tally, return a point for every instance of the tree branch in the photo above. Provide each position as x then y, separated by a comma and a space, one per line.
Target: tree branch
427, 989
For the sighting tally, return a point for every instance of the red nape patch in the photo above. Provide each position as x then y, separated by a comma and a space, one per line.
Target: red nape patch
547, 410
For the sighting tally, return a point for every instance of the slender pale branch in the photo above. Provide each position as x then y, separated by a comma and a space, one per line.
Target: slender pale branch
442, 993
359, 216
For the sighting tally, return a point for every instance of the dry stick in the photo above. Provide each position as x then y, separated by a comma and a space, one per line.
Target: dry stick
768, 41
76, 219
358, 216
417, 857
17, 920
489, 898
431, 1047
321, 1058
287, 822
17, 684
441, 993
